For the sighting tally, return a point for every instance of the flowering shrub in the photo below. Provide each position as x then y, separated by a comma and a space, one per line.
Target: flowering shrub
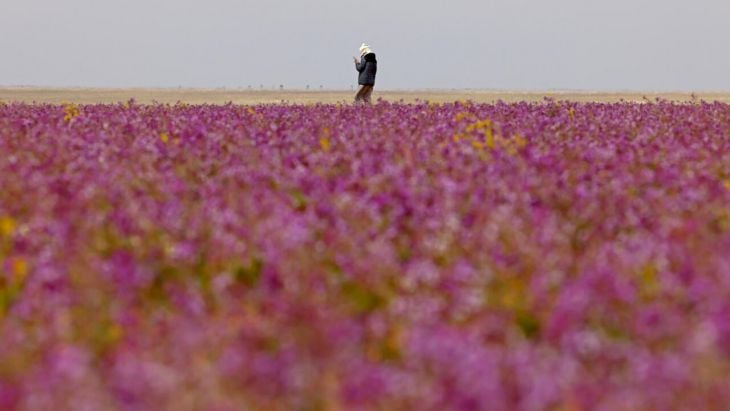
458, 256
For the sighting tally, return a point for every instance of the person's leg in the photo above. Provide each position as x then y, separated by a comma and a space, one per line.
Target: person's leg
359, 96
368, 93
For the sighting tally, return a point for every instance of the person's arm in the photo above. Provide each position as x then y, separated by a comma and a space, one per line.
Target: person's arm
360, 66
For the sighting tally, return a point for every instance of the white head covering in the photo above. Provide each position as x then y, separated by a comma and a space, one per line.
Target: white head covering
365, 49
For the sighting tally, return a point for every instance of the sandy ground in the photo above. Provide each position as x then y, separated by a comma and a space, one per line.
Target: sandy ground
219, 96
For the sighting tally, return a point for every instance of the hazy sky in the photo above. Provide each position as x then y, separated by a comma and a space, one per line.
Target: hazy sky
501, 44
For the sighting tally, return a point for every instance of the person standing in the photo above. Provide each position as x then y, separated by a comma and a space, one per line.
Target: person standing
367, 67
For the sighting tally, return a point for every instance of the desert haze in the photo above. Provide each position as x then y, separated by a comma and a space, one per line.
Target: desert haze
222, 96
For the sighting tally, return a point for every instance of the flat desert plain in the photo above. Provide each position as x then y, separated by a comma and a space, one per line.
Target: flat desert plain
222, 96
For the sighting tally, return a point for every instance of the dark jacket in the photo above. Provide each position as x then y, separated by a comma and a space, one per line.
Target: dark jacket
367, 67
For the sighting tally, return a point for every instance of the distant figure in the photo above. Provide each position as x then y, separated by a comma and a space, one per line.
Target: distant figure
367, 67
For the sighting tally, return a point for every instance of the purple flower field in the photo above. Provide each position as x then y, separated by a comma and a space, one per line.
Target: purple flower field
552, 256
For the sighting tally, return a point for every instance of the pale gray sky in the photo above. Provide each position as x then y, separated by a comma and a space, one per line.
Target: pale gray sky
503, 44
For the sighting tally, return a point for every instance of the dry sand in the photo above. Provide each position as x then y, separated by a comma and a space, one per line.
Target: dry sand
218, 96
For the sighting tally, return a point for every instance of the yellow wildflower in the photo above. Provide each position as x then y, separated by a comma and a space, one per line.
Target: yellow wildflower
508, 293
462, 115
20, 270
649, 284
7, 226
489, 138
520, 141
114, 333
71, 110
393, 344
324, 142
164, 137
